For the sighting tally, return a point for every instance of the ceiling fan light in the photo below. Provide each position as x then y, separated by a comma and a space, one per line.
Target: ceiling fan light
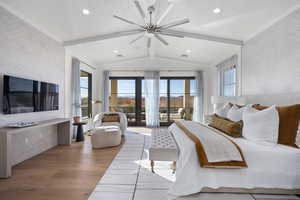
217, 10
148, 35
86, 11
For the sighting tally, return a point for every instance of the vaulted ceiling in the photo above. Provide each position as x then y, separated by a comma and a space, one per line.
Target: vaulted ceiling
64, 21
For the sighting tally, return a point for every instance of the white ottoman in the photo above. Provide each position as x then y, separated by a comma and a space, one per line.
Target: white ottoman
106, 136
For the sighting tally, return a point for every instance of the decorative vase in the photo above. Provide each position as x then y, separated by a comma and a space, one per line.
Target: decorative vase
76, 119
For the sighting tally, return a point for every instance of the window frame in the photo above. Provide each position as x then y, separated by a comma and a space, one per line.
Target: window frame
89, 88
138, 96
223, 83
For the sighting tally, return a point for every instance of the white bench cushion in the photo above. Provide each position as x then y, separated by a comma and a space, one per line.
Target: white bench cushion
163, 146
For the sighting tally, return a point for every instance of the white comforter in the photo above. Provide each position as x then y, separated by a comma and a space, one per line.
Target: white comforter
216, 147
269, 166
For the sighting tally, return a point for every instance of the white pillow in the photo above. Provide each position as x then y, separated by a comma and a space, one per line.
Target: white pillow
235, 113
222, 112
261, 126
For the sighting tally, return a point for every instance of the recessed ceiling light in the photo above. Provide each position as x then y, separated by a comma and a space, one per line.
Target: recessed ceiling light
188, 51
116, 51
217, 10
86, 11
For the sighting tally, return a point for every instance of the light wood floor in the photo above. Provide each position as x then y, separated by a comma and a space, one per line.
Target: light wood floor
61, 173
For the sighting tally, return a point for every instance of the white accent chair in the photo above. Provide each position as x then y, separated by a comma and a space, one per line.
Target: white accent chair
122, 124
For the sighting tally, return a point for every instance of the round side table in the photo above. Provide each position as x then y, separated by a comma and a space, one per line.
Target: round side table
79, 136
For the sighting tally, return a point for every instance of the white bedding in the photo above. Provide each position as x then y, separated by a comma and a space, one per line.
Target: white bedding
209, 139
269, 166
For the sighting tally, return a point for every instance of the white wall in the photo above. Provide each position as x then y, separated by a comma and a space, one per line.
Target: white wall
271, 60
26, 52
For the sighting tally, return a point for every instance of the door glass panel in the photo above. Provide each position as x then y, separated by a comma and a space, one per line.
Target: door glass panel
163, 109
122, 98
143, 109
190, 106
176, 99
84, 94
163, 93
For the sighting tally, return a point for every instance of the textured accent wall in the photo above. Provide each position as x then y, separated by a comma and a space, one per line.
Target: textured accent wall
271, 60
28, 53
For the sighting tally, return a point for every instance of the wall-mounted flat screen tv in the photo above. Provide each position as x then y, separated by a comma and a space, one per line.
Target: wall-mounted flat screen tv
23, 95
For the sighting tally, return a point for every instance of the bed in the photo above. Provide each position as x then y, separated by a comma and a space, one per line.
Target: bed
271, 168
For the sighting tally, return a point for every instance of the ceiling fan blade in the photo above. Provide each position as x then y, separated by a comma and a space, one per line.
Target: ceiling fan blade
96, 38
127, 21
161, 39
140, 9
206, 37
136, 39
171, 34
162, 17
175, 23
149, 43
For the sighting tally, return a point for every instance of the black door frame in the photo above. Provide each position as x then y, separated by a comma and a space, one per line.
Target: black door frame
138, 97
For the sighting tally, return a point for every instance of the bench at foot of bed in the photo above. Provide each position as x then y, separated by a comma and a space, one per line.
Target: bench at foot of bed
163, 148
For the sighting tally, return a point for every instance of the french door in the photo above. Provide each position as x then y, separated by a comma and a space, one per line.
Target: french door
176, 98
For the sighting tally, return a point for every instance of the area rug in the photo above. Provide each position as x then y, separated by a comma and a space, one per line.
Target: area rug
129, 176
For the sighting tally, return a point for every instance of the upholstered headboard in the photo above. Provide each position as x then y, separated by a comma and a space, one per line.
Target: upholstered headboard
277, 99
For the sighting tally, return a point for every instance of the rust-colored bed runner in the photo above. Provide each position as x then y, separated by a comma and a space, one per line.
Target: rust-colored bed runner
202, 156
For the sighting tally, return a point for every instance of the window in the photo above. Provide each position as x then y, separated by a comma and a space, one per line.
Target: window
123, 97
86, 94
228, 82
176, 98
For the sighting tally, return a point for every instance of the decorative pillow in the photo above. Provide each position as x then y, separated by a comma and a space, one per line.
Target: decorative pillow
222, 112
111, 118
289, 117
233, 129
261, 126
235, 113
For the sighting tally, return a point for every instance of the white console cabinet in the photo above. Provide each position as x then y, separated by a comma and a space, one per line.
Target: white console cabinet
19, 144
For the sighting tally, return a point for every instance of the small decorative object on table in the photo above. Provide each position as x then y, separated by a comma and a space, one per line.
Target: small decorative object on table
21, 124
76, 119
79, 136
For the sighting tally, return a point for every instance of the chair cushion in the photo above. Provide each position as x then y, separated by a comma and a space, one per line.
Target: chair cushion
111, 124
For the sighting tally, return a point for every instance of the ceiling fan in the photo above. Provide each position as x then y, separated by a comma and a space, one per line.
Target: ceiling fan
153, 29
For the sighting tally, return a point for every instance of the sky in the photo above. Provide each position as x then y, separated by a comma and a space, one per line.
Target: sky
126, 87
84, 83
